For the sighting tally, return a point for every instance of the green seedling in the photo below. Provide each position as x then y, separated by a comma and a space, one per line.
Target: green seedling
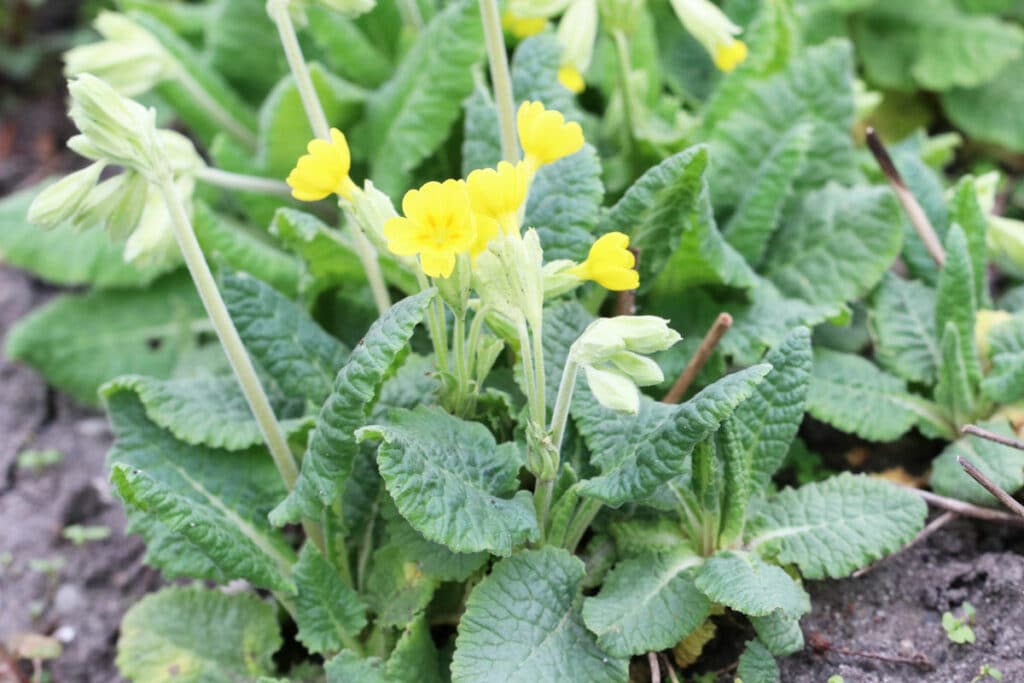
80, 535
958, 629
36, 461
987, 671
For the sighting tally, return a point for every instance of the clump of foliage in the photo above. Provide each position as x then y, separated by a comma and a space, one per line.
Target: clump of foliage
486, 485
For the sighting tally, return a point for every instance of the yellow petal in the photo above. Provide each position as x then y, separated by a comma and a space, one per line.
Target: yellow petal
486, 230
438, 263
545, 136
730, 55
402, 236
571, 78
522, 27
618, 279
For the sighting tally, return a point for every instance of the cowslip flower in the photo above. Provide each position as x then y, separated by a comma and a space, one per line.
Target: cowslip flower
522, 27
545, 135
714, 30
324, 171
498, 194
576, 33
610, 263
438, 225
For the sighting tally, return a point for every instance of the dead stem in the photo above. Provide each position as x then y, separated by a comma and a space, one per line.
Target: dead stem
933, 526
625, 302
975, 430
668, 667
652, 661
707, 346
1005, 498
821, 643
966, 509
910, 205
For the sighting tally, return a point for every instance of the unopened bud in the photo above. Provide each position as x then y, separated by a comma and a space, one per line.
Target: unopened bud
642, 370
62, 200
131, 59
613, 390
119, 129
371, 208
605, 337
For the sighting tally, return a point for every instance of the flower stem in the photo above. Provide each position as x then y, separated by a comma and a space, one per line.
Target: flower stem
560, 413
585, 514
542, 493
501, 79
529, 374
435, 321
217, 112
278, 11
371, 266
622, 50
245, 183
459, 358
475, 330
231, 342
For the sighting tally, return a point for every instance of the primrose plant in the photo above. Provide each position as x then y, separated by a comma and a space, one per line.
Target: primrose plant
482, 475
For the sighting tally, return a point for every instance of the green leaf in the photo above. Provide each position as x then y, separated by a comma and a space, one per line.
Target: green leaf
647, 603
956, 303
332, 444
396, 588
816, 89
215, 502
933, 45
523, 623
210, 411
965, 210
346, 48
929, 189
564, 204
448, 478
410, 116
191, 634
62, 255
702, 255
348, 667
1005, 382
745, 583
638, 453
838, 247
233, 27
956, 388
1002, 464
660, 208
284, 128
760, 208
415, 658
282, 339
851, 394
80, 341
902, 322
225, 241
779, 633
434, 559
986, 112
766, 423
328, 613
757, 665
833, 527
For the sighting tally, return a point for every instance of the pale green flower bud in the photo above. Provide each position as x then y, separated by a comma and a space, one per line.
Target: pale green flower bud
557, 278
124, 212
131, 60
81, 145
606, 337
613, 390
865, 101
121, 130
371, 208
712, 29
1005, 238
577, 31
350, 8
642, 370
153, 243
99, 204
61, 201
510, 277
487, 353
179, 151
621, 15
537, 8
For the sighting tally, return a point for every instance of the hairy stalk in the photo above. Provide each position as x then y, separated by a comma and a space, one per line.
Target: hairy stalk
218, 113
529, 375
622, 51
332, 521
475, 330
435, 323
278, 11
235, 351
368, 258
460, 358
581, 521
501, 79
245, 183
560, 413
543, 490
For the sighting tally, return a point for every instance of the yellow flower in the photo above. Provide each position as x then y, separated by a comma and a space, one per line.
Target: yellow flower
730, 55
323, 171
571, 78
438, 225
610, 263
522, 27
545, 135
498, 194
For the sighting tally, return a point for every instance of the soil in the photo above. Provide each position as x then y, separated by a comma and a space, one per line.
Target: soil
80, 597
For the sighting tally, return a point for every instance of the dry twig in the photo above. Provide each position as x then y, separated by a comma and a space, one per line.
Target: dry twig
707, 346
977, 475
975, 430
966, 509
625, 302
910, 205
821, 643
652, 662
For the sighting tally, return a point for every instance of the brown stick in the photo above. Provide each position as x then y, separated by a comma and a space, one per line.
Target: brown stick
933, 526
721, 325
910, 205
1005, 498
821, 643
625, 302
668, 667
975, 430
966, 509
652, 661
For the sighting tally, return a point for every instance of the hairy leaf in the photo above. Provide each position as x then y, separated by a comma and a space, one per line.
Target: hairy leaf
956, 303
564, 204
779, 633
448, 478
647, 603
1005, 382
415, 658
396, 588
332, 444
986, 112
757, 665
745, 583
523, 623
192, 634
902, 320
833, 527
328, 613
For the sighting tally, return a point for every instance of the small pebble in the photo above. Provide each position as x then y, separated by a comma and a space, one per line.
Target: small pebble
68, 601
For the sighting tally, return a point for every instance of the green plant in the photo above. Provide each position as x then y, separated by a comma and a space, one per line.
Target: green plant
36, 461
958, 629
80, 535
986, 671
507, 468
